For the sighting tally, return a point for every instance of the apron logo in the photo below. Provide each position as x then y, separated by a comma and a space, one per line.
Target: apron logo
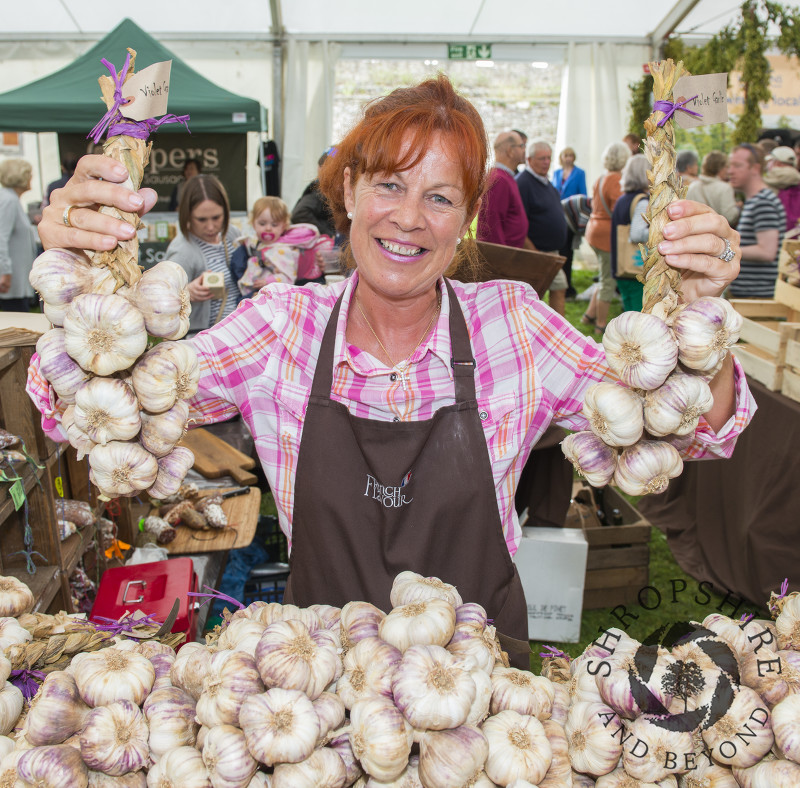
390, 497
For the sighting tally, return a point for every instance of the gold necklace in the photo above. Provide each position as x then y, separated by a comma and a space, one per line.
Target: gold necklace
401, 367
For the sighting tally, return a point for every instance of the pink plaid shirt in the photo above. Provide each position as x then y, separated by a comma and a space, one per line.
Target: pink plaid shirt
532, 368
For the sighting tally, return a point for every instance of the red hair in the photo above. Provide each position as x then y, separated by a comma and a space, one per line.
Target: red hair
422, 111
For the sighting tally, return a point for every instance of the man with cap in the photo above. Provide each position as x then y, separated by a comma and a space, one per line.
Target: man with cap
784, 179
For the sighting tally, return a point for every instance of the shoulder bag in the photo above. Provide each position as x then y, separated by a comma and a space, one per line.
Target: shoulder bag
629, 257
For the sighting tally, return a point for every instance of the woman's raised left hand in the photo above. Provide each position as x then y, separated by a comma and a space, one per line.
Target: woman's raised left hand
693, 240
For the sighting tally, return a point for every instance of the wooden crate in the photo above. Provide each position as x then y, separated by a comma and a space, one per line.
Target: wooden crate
769, 343
617, 566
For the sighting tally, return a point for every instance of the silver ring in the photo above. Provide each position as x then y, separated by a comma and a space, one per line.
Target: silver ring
728, 254
65, 215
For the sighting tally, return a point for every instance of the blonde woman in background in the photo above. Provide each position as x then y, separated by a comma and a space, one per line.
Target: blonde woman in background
712, 189
17, 244
607, 190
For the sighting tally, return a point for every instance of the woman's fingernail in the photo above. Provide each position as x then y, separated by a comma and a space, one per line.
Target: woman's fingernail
665, 247
129, 230
136, 201
119, 171
109, 242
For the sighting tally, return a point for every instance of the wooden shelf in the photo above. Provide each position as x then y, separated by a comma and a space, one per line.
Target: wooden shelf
73, 547
29, 476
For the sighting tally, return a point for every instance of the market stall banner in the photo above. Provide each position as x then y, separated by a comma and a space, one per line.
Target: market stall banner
223, 155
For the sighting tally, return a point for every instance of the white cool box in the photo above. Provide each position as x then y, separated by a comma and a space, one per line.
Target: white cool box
552, 566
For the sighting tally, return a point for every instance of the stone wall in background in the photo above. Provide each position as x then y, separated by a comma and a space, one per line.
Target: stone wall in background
507, 95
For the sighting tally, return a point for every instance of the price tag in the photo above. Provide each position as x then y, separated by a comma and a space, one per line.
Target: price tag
17, 493
59, 486
147, 91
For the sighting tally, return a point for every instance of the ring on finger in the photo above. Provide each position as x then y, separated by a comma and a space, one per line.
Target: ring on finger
727, 254
65, 215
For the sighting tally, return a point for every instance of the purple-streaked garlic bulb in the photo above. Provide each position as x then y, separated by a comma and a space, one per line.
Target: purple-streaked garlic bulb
591, 457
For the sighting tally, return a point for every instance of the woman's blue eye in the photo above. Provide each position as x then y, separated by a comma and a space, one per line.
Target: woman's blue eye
439, 199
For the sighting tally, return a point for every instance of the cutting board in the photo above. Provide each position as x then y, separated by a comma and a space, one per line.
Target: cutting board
214, 458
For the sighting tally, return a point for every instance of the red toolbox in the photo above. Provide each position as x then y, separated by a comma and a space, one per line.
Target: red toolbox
151, 588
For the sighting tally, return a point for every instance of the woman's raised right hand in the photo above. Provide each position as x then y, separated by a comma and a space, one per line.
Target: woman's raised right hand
95, 183
198, 291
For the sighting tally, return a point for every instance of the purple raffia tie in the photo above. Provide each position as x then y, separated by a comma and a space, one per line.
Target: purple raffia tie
784, 588
27, 681
103, 624
747, 618
554, 652
669, 108
213, 594
115, 123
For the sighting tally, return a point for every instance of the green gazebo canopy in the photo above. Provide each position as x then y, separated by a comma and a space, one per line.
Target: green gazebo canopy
69, 100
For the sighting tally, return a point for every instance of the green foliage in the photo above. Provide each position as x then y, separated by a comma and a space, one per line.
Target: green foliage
704, 139
743, 45
641, 104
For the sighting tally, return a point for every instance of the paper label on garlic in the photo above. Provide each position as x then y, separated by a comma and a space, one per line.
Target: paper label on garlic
708, 94
147, 92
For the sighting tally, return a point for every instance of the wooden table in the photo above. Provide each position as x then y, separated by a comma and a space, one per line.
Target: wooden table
242, 512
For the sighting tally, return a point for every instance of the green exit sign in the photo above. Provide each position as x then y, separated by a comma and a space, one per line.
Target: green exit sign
469, 51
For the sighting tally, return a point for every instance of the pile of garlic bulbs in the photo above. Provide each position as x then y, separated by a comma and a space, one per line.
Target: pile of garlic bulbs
302, 697
125, 405
663, 370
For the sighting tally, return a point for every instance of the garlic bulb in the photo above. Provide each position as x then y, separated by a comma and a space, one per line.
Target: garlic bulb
114, 739
591, 457
172, 470
787, 624
432, 688
15, 599
616, 683
170, 715
479, 710
271, 612
55, 766
63, 374
561, 702
231, 678
162, 665
518, 748
162, 297
56, 711
744, 734
107, 410
60, 275
132, 780
165, 374
104, 333
322, 769
786, 727
368, 670
190, 668
78, 439
728, 630
408, 587
290, 657
705, 330
645, 756
769, 774
640, 349
646, 467
771, 675
707, 774
380, 737
451, 757
328, 615
108, 675
161, 431
181, 767
122, 468
593, 746
560, 771
330, 711
6, 746
340, 741
427, 623
614, 413
10, 707
227, 758
521, 691
473, 642
676, 407
241, 634
280, 726
359, 620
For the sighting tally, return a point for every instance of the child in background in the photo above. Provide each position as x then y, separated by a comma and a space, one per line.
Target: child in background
279, 252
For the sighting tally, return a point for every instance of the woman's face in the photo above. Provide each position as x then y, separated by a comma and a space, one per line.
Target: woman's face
268, 229
406, 225
206, 221
567, 159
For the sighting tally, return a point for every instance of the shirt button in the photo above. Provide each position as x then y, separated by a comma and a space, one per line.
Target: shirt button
396, 418
483, 415
393, 377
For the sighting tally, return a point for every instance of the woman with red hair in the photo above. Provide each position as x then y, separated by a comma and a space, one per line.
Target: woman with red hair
393, 412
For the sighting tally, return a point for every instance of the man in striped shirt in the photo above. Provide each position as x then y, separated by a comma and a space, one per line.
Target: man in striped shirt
761, 224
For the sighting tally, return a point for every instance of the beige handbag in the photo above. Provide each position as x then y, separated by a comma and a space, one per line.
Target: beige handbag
629, 257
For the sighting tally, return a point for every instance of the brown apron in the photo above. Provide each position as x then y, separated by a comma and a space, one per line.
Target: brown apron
375, 498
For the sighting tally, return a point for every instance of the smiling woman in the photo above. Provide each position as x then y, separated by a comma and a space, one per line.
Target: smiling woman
393, 412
